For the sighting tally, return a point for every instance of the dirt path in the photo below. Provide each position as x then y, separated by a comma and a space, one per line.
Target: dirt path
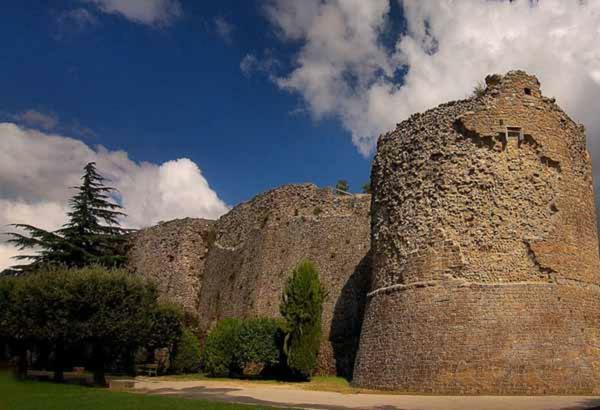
286, 396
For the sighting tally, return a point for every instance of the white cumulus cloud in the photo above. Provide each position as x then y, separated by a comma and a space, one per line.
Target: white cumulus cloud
344, 69
37, 169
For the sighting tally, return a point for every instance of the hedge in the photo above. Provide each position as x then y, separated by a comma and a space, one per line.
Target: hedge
187, 355
235, 344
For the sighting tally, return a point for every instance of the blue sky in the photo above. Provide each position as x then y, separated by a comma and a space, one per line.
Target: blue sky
177, 91
191, 107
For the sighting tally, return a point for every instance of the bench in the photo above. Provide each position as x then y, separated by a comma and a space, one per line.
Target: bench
150, 369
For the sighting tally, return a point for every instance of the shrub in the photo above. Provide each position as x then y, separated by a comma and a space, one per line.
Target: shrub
342, 185
219, 349
236, 344
187, 354
302, 308
479, 90
260, 343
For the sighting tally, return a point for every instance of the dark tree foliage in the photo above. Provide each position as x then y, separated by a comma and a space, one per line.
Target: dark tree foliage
366, 188
166, 326
342, 185
234, 344
115, 313
48, 307
187, 353
260, 342
12, 329
218, 355
109, 310
92, 235
302, 309
479, 90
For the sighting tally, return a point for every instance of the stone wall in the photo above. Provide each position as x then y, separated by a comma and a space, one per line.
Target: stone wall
485, 250
237, 266
172, 255
259, 242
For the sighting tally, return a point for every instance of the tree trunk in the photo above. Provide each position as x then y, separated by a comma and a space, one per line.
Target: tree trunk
129, 361
21, 367
98, 359
43, 356
59, 358
150, 355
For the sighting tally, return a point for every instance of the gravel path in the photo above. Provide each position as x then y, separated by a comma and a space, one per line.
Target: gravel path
286, 396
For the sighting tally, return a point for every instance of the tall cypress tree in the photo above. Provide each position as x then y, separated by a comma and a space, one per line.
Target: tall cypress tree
92, 234
302, 310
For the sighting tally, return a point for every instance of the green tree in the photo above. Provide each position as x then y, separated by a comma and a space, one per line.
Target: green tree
115, 310
12, 329
92, 234
342, 185
218, 356
260, 342
366, 188
165, 331
302, 309
48, 312
166, 326
236, 343
187, 354
108, 310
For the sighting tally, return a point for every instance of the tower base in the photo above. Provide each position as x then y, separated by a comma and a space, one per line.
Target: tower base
511, 338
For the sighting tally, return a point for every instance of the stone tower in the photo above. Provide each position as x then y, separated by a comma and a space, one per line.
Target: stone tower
485, 250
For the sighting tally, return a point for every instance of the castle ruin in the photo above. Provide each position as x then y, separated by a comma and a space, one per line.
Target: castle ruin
485, 250
476, 257
172, 254
238, 265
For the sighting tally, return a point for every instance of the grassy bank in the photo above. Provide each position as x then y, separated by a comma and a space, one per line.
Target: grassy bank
32, 395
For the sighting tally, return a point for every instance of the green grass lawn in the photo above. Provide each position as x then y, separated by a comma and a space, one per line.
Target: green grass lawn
31, 395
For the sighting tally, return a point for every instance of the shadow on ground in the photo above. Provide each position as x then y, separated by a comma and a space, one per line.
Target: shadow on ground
222, 394
587, 404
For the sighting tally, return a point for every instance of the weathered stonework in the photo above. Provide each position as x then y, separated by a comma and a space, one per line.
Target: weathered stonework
485, 250
172, 255
259, 242
237, 266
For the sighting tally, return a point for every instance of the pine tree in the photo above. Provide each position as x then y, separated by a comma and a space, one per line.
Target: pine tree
92, 234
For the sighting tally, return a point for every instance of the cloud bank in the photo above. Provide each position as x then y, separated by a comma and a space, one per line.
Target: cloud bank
347, 67
37, 169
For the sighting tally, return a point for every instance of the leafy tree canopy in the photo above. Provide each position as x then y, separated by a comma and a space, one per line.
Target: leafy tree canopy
107, 309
